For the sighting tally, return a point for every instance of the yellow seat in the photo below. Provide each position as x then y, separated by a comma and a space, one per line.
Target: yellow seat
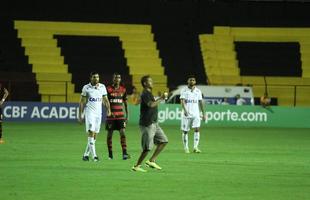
218, 59
41, 48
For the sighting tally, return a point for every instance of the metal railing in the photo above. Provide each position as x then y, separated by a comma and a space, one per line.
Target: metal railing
8, 84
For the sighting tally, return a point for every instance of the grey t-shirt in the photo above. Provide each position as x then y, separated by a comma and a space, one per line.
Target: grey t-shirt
148, 115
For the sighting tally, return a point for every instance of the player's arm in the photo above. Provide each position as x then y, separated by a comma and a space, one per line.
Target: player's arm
151, 103
125, 104
6, 94
182, 101
81, 107
126, 109
201, 108
155, 103
106, 103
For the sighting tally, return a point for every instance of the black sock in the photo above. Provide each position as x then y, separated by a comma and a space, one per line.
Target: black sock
109, 144
110, 154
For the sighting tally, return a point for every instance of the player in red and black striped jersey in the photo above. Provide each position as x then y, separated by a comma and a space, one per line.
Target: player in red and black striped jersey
117, 96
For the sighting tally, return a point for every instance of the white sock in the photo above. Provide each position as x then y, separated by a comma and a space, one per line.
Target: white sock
196, 139
185, 140
92, 147
86, 153
87, 150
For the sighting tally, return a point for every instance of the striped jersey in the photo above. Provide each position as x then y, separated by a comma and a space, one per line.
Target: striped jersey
117, 97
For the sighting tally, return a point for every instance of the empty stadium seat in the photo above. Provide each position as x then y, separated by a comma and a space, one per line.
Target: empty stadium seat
15, 72
275, 59
40, 40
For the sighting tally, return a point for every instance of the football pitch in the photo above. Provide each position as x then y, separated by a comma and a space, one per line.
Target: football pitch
44, 161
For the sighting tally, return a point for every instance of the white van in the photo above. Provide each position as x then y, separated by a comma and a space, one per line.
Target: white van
217, 94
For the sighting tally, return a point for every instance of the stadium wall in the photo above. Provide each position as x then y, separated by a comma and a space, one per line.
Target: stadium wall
217, 115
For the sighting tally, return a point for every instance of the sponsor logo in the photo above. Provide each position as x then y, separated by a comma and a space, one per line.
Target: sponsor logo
116, 100
91, 99
217, 116
191, 101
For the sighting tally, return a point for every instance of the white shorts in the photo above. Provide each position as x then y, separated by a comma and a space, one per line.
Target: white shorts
190, 122
93, 123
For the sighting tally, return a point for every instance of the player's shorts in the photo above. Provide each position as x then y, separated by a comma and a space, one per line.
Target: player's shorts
151, 135
118, 124
92, 123
190, 122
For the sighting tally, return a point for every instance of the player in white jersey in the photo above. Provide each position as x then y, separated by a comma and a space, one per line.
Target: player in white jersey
193, 111
93, 96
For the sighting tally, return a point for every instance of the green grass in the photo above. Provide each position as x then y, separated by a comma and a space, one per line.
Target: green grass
43, 161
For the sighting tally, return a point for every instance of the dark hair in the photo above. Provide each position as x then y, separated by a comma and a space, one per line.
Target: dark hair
191, 76
144, 79
93, 73
116, 73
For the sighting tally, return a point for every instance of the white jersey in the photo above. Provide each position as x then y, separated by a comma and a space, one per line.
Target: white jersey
94, 98
191, 101
240, 102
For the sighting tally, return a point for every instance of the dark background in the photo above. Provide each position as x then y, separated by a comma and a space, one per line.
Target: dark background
176, 25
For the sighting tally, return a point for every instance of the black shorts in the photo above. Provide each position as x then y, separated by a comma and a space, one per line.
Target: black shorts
112, 125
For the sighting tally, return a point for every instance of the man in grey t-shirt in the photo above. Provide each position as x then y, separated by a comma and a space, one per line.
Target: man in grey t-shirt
150, 130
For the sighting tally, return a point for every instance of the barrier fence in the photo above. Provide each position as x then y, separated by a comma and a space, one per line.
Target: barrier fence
170, 114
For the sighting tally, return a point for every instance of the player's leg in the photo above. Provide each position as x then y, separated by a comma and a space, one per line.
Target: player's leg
94, 132
185, 127
87, 149
86, 152
92, 144
110, 128
90, 124
1, 116
122, 125
147, 143
1, 140
161, 140
196, 125
137, 167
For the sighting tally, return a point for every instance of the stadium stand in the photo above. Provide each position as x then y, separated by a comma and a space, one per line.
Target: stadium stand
54, 79
15, 72
179, 48
84, 54
280, 54
269, 58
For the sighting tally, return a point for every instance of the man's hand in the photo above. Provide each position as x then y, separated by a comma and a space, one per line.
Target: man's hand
164, 96
109, 113
127, 118
185, 113
204, 117
80, 119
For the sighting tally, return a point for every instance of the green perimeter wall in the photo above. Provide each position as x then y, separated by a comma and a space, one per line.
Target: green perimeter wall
235, 116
